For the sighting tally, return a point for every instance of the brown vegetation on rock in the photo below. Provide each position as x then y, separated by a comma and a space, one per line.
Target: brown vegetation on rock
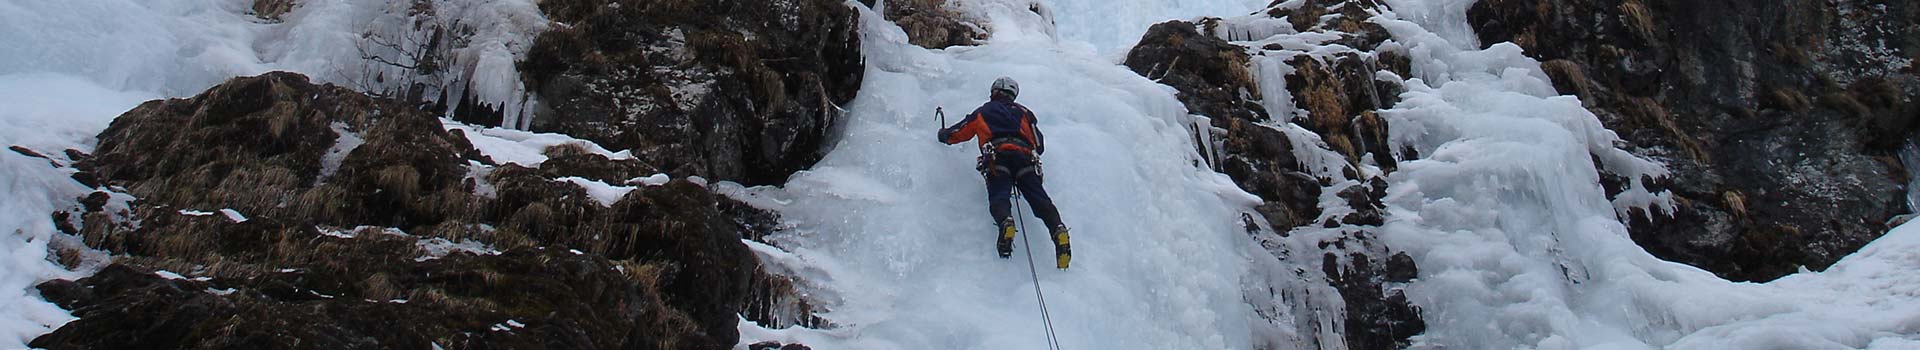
397, 247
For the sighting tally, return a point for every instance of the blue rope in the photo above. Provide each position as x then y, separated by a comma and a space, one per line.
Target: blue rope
1053, 340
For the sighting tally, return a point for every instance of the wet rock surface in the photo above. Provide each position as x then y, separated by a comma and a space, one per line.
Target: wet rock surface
1362, 278
733, 90
238, 219
1780, 120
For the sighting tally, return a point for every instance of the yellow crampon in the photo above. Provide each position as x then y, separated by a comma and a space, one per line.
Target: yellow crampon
1005, 245
1061, 251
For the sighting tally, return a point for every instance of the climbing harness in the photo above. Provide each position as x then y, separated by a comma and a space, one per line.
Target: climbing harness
1053, 341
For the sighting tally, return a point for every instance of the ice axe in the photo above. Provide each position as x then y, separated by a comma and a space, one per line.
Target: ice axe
942, 113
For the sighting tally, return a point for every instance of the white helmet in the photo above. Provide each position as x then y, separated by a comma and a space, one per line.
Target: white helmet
1007, 86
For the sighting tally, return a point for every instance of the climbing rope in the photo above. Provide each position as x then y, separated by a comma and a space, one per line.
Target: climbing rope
1053, 341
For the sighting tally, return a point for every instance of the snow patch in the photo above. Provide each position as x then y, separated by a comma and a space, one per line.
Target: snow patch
344, 144
436, 248
169, 275
479, 174
335, 232
332, 232
233, 215
654, 180
601, 192
525, 148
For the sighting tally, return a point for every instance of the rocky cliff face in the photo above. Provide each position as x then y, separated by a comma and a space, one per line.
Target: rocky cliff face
1214, 79
1334, 98
1779, 119
730, 90
270, 212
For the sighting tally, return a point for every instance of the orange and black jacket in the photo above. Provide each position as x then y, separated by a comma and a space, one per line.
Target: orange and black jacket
1000, 125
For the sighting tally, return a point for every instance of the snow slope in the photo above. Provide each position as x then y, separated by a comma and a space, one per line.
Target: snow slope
45, 113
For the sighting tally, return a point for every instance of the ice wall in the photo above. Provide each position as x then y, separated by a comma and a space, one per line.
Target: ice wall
891, 228
1519, 247
177, 48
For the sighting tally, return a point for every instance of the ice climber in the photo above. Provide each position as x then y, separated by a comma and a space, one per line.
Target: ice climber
1010, 148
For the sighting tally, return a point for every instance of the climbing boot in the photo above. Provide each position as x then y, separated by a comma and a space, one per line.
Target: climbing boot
1062, 252
1006, 238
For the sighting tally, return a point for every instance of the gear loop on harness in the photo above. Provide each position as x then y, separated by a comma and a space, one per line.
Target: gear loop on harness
987, 166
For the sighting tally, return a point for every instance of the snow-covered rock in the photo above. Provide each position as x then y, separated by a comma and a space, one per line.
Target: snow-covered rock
1777, 118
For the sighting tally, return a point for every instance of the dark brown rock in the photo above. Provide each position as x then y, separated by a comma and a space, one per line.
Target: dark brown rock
573, 161
728, 90
1400, 268
1211, 75
95, 201
1379, 317
1366, 207
461, 301
27, 152
1260, 159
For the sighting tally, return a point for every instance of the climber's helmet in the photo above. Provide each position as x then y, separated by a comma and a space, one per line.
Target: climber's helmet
1006, 86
